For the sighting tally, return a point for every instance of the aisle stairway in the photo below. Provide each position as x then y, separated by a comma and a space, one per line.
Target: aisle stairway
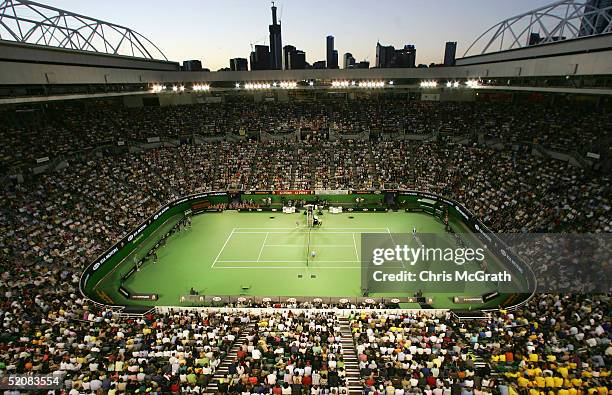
223, 368
351, 363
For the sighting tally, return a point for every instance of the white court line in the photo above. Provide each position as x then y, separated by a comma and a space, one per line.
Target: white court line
305, 228
316, 232
262, 246
393, 241
289, 267
222, 248
285, 261
302, 245
355, 244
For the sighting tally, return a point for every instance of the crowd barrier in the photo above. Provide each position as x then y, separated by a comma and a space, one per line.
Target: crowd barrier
222, 300
298, 310
355, 200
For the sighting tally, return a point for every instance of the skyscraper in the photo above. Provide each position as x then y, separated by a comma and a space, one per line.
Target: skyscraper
387, 56
276, 44
594, 22
192, 65
332, 54
287, 50
238, 64
293, 58
405, 57
260, 58
348, 61
297, 60
384, 55
450, 51
534, 38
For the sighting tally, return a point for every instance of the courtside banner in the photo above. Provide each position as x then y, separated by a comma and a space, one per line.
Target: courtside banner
294, 192
366, 192
331, 191
133, 237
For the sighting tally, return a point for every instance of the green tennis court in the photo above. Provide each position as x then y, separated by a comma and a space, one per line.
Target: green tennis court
266, 254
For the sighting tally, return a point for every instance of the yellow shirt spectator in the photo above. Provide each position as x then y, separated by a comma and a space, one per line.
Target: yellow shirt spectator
576, 382
523, 382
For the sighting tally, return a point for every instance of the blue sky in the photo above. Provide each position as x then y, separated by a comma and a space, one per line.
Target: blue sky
215, 31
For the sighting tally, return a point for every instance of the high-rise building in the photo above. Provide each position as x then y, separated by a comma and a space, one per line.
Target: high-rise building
384, 55
287, 50
260, 58
239, 64
594, 22
534, 38
387, 56
348, 61
293, 58
297, 60
192, 65
319, 64
276, 43
450, 51
364, 64
404, 58
332, 54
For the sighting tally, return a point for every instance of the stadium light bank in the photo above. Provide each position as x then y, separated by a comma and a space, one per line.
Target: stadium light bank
200, 87
428, 84
360, 84
450, 84
156, 88
267, 85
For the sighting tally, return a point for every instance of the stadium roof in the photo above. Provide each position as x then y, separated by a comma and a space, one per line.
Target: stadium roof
558, 21
29, 22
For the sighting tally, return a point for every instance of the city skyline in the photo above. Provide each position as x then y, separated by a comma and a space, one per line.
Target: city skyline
231, 27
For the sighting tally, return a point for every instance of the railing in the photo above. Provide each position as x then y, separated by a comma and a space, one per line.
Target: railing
558, 21
28, 22
111, 258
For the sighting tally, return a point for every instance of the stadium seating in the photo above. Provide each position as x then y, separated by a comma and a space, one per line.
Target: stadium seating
34, 132
53, 224
553, 345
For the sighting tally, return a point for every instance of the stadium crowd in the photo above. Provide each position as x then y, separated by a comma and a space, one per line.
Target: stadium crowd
289, 354
553, 345
35, 132
53, 224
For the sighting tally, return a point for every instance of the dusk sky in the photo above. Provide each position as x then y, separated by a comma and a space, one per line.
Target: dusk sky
215, 31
